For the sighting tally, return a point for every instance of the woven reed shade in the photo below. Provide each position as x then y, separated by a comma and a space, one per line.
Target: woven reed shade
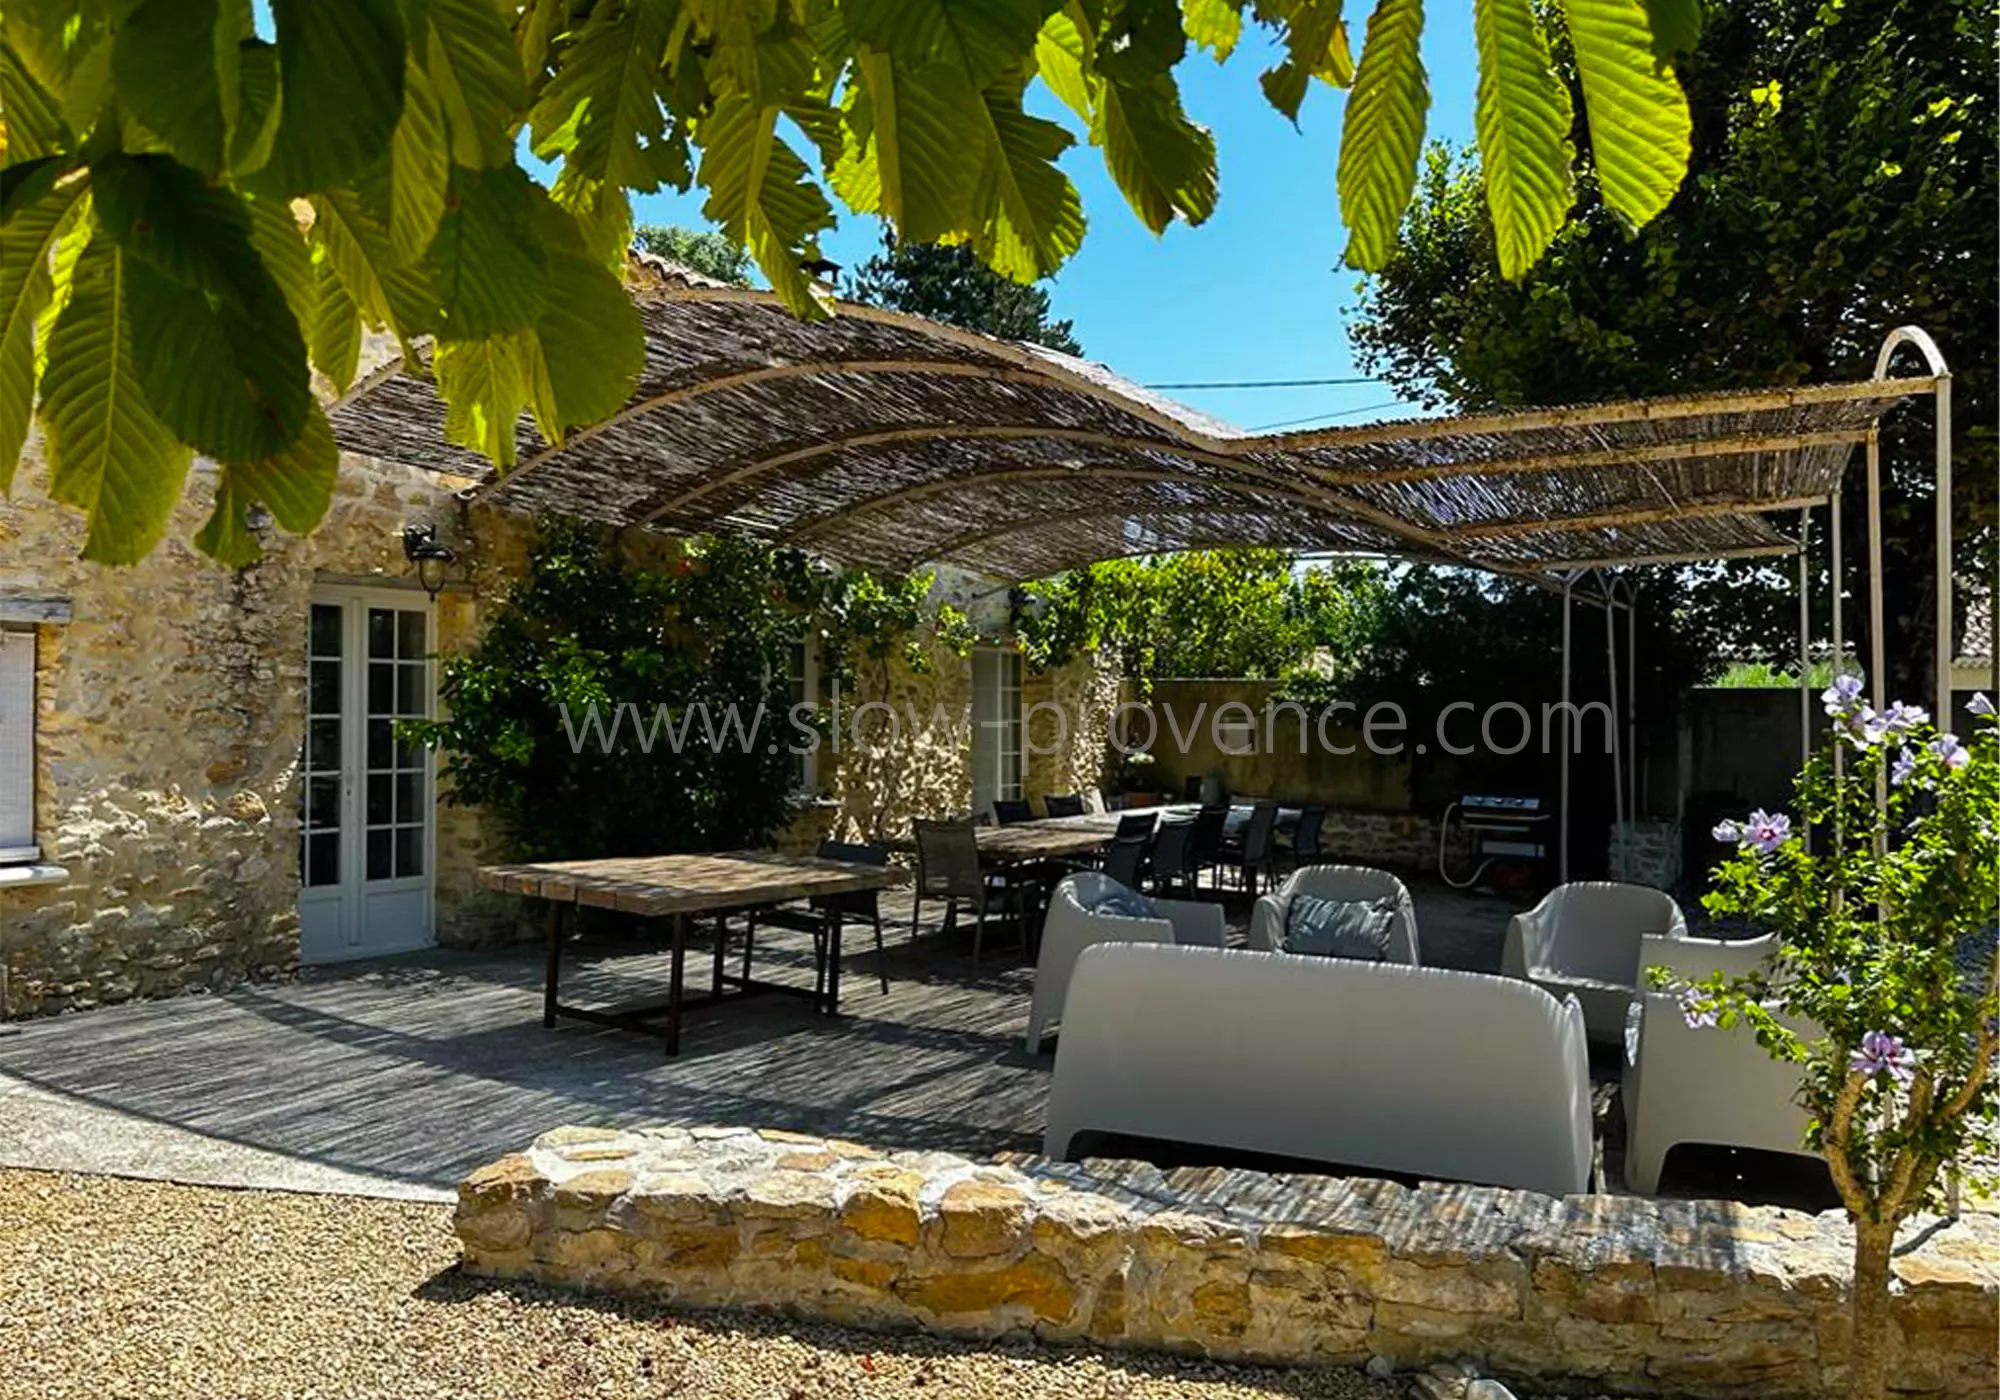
890, 441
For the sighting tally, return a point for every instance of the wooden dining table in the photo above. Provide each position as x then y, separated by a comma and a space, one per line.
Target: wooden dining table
678, 889
1046, 838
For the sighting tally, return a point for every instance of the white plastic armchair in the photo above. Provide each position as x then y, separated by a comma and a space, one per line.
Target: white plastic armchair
1073, 925
1342, 882
1687, 1084
1583, 940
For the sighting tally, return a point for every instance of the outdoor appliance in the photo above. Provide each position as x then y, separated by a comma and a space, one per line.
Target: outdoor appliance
1510, 836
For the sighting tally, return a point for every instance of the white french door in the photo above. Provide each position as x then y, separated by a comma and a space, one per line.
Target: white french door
996, 726
366, 830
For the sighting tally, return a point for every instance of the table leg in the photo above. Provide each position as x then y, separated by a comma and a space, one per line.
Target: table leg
680, 927
833, 963
721, 946
552, 971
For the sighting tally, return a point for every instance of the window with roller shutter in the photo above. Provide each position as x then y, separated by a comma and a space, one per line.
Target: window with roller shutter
17, 745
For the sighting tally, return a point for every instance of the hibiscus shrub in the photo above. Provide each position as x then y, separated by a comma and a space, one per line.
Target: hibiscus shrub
1882, 882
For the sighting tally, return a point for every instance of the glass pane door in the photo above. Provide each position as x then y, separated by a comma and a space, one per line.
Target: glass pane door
396, 811
320, 763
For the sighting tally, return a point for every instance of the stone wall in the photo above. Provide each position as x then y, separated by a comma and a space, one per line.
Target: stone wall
169, 714
1650, 852
1630, 1296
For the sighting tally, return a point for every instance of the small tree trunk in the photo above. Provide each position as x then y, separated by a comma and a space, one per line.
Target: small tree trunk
1868, 1348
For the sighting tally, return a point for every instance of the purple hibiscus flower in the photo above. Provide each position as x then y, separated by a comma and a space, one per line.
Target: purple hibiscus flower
1767, 830
1882, 1053
1903, 768
1730, 833
1980, 704
1842, 696
1865, 727
1698, 1015
1899, 719
1953, 753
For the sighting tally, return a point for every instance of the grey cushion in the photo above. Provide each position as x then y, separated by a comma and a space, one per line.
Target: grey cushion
1123, 904
1338, 928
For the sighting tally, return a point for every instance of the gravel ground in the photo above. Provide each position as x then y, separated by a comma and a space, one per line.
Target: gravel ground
112, 1288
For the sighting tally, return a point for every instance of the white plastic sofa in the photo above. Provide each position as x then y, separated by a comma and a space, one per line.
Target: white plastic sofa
1583, 940
1374, 1065
1703, 1084
1073, 925
1342, 882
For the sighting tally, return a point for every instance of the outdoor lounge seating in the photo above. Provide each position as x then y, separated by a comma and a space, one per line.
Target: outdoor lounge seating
1081, 913
1584, 939
1451, 1075
1346, 883
1701, 1084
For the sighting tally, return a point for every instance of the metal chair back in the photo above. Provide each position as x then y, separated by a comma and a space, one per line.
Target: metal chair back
862, 903
1170, 852
1205, 834
1305, 836
1064, 804
1008, 810
1136, 826
1124, 860
947, 860
1257, 835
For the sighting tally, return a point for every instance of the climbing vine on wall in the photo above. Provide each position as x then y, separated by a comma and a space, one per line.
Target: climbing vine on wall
615, 708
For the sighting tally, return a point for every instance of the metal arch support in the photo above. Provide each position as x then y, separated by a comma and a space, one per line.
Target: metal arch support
1934, 360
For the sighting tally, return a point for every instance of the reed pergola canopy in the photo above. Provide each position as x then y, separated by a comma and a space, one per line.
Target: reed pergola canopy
888, 441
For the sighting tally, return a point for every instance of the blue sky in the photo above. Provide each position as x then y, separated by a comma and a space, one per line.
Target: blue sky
1255, 293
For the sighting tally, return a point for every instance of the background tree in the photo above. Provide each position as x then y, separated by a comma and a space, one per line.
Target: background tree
200, 198
1842, 182
704, 250
951, 285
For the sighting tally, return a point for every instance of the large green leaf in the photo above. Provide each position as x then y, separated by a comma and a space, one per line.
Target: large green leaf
489, 262
27, 245
601, 112
592, 341
417, 171
23, 185
761, 194
296, 486
34, 125
275, 234
333, 333
257, 108
1215, 25
1164, 163
108, 454
219, 353
1384, 132
1638, 114
1315, 47
1031, 218
470, 59
1676, 26
165, 59
912, 129
354, 234
485, 386
980, 38
1523, 117
1062, 57
341, 70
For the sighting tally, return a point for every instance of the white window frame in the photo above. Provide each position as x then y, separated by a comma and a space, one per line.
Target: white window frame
1007, 659
18, 773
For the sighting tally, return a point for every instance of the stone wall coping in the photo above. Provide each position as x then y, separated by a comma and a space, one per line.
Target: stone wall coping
32, 873
1635, 1295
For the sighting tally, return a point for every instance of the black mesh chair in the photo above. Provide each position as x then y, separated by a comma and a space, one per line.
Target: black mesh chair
1305, 837
1170, 869
858, 904
1064, 804
1205, 841
1008, 810
1259, 848
948, 868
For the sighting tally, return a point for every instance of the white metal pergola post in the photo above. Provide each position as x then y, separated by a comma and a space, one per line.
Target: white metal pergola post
1941, 396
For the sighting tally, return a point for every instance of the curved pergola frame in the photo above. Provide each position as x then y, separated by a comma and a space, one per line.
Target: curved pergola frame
890, 441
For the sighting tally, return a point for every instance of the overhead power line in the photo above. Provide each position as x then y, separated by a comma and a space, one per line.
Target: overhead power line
1325, 417
1259, 383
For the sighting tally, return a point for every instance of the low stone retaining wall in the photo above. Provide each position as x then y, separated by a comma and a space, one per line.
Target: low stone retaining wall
1599, 1292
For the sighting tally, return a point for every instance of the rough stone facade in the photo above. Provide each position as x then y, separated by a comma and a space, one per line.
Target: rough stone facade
1650, 852
170, 710
1595, 1293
